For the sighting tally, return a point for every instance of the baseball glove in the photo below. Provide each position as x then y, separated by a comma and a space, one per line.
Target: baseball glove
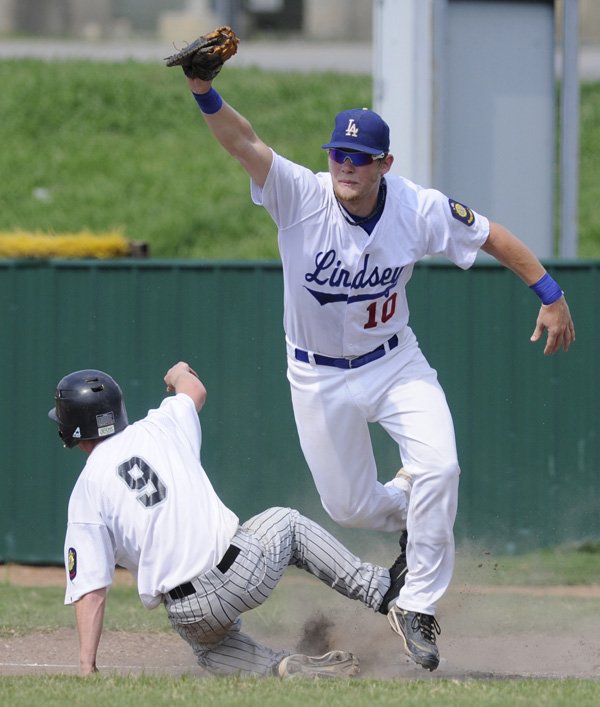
205, 56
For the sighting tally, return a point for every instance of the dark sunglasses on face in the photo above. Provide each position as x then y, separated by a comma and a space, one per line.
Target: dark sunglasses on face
358, 159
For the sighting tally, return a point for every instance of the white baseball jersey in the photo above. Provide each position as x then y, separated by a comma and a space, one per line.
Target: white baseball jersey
144, 502
345, 289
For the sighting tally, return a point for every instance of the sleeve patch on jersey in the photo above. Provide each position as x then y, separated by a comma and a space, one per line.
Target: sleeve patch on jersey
72, 560
461, 212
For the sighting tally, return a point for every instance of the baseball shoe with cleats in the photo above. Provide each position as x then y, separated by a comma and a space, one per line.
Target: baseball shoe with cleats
335, 664
397, 576
418, 632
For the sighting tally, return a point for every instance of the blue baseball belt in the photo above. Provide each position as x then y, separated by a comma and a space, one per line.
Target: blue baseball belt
354, 362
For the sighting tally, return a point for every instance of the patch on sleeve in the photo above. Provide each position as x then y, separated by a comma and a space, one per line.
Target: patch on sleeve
461, 212
72, 563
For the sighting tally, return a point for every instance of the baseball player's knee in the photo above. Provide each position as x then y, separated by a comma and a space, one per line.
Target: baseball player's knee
444, 471
267, 519
347, 515
351, 522
448, 473
448, 469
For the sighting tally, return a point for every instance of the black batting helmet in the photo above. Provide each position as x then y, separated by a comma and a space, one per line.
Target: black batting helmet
88, 405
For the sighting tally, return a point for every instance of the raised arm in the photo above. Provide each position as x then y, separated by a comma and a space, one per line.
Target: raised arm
233, 131
181, 378
555, 316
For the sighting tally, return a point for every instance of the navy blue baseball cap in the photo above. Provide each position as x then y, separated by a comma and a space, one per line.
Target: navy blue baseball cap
360, 129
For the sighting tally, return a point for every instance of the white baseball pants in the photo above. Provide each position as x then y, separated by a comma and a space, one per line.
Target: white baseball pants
400, 391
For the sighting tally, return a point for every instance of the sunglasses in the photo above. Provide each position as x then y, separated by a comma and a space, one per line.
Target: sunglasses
358, 159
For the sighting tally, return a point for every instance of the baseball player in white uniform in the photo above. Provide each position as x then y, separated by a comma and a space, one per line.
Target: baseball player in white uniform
144, 502
349, 239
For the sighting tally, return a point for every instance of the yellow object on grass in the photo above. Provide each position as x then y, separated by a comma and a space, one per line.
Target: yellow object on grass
85, 244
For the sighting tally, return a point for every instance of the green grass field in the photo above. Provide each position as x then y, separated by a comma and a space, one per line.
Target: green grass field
30, 609
589, 172
231, 692
124, 146
101, 146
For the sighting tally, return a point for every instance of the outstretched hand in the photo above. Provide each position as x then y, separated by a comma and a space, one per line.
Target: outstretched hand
556, 319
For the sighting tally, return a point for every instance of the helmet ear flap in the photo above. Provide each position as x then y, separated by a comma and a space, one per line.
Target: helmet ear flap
88, 405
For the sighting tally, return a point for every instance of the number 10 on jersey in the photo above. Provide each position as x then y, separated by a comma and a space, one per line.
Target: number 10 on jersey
388, 307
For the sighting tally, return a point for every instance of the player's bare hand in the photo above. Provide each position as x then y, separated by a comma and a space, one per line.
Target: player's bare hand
556, 319
182, 378
175, 372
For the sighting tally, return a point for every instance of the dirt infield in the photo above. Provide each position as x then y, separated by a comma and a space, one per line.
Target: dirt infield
491, 632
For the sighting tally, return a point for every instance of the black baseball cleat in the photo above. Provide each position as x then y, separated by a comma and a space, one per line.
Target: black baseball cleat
418, 633
397, 575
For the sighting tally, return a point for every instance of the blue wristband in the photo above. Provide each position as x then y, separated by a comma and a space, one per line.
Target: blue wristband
209, 102
547, 289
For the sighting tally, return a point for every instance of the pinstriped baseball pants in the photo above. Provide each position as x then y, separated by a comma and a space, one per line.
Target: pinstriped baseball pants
209, 620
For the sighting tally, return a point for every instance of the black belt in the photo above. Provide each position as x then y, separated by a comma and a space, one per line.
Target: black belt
356, 362
187, 588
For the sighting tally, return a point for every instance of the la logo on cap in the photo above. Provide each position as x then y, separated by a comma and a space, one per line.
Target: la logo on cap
352, 129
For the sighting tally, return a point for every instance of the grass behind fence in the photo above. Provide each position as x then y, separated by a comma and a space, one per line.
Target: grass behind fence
589, 172
105, 146
123, 146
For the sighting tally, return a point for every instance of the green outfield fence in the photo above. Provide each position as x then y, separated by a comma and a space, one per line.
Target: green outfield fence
527, 425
